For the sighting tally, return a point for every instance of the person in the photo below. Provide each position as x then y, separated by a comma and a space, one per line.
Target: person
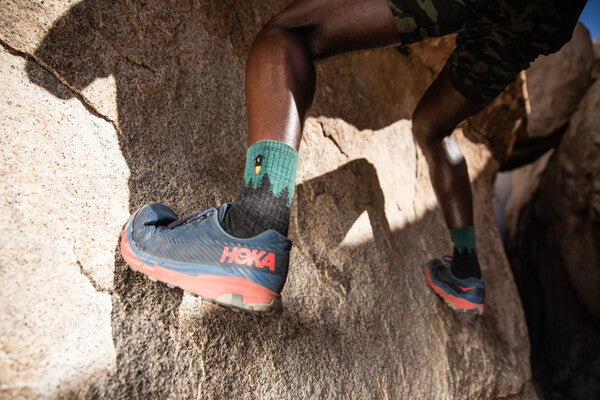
238, 254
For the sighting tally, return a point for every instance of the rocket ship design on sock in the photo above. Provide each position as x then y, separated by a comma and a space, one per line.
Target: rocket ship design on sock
258, 164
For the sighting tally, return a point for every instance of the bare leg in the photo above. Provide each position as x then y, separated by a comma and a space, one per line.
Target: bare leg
280, 75
440, 110
280, 82
437, 114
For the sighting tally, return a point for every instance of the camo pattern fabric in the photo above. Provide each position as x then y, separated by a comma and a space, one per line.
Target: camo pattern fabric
496, 38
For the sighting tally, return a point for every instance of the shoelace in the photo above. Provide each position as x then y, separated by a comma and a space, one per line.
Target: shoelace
192, 217
447, 260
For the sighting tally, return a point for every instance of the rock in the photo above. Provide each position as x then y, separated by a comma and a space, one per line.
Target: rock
100, 92
433, 52
557, 82
64, 200
524, 181
596, 68
502, 123
530, 116
556, 260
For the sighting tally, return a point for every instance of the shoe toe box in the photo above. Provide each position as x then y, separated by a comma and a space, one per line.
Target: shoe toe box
148, 218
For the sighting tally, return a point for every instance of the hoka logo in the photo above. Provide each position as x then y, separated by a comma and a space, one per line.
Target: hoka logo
244, 256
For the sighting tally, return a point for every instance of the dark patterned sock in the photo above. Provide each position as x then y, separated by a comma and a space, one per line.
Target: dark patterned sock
464, 257
266, 196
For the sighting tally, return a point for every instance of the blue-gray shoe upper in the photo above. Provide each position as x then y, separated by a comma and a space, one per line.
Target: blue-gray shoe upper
198, 245
471, 289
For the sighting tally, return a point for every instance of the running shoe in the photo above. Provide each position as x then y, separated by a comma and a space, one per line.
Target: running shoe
465, 295
195, 254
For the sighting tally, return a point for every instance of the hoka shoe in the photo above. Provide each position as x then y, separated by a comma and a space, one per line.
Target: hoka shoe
464, 295
195, 254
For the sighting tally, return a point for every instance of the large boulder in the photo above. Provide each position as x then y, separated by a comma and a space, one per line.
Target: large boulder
542, 101
555, 255
502, 123
596, 68
557, 82
109, 105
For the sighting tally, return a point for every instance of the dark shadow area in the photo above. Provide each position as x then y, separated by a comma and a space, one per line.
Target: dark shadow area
179, 74
527, 152
564, 331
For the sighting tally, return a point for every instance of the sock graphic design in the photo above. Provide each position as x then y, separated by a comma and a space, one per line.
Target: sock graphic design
464, 257
266, 197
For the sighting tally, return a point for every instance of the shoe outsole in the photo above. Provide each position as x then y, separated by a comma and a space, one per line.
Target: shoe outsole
213, 288
456, 303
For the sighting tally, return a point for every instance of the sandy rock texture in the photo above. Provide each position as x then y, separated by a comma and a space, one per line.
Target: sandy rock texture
64, 197
108, 105
556, 260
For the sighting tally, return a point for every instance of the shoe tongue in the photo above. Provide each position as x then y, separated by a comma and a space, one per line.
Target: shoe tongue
222, 210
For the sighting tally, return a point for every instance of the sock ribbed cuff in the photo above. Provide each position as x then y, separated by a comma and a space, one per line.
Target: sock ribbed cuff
463, 238
275, 159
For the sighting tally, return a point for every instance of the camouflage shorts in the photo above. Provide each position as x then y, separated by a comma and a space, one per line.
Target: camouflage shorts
496, 38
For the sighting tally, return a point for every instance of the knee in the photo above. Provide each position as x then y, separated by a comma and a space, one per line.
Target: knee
425, 131
305, 31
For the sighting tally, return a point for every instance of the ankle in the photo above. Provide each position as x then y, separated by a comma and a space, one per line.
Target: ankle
464, 258
244, 219
465, 264
266, 196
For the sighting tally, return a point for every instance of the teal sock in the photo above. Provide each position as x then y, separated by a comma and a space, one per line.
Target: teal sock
463, 238
464, 256
266, 197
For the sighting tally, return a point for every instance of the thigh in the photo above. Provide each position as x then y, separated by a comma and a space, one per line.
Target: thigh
440, 110
332, 27
336, 26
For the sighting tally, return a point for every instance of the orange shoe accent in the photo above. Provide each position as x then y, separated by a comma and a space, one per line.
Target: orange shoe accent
455, 302
204, 285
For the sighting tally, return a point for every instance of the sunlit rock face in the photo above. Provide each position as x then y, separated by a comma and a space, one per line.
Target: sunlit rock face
557, 82
109, 105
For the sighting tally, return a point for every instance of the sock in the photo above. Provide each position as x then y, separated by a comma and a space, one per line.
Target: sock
464, 258
266, 196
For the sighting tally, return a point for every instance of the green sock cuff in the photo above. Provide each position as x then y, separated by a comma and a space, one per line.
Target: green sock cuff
275, 159
463, 238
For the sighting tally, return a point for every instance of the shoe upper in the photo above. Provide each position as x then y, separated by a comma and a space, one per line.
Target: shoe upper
471, 289
198, 244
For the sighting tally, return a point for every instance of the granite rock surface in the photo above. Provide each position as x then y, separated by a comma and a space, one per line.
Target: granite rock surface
557, 82
108, 105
